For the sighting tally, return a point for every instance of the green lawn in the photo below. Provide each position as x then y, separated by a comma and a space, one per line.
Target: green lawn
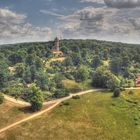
95, 116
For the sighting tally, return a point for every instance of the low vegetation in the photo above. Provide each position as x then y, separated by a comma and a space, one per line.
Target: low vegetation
116, 92
10, 113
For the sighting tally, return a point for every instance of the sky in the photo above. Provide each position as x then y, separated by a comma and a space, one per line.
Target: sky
43, 20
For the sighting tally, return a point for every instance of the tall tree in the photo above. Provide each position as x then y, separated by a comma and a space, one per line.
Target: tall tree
36, 98
96, 62
82, 73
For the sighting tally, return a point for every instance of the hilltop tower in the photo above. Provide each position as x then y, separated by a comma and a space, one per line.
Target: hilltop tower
56, 48
56, 45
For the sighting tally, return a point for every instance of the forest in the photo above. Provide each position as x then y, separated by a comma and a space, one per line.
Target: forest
28, 72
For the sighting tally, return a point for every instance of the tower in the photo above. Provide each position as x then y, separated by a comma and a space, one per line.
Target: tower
56, 44
56, 49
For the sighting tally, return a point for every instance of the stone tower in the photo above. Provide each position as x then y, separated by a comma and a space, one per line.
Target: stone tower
56, 45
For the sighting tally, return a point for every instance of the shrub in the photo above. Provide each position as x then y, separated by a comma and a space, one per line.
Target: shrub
113, 104
130, 92
59, 93
76, 97
66, 103
1, 98
116, 92
74, 89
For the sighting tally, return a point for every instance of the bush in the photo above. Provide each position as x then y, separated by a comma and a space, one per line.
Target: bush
65, 103
116, 92
130, 92
74, 89
60, 93
76, 97
1, 98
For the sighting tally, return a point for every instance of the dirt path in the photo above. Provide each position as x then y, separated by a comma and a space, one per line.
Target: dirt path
54, 104
133, 88
20, 102
70, 96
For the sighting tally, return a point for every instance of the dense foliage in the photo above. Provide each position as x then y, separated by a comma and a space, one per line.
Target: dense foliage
107, 64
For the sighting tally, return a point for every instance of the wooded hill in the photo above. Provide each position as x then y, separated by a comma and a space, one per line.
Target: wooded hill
105, 64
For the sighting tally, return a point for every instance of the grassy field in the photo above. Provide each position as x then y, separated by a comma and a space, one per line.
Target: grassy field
9, 113
95, 116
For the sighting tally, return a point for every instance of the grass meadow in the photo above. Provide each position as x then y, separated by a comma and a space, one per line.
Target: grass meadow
10, 112
95, 116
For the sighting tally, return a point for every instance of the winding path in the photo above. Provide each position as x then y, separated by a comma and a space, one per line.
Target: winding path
20, 102
52, 104
133, 88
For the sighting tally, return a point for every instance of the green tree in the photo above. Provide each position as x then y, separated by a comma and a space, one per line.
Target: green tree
15, 58
113, 82
20, 68
15, 88
116, 65
33, 71
36, 98
59, 93
38, 63
105, 79
4, 74
96, 62
27, 76
42, 79
30, 59
67, 62
82, 73
76, 59
116, 92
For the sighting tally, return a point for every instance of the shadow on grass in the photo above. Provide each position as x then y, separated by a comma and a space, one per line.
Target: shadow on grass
25, 109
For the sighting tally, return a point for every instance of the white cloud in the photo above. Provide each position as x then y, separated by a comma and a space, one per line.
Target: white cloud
117, 3
95, 1
122, 3
103, 23
14, 28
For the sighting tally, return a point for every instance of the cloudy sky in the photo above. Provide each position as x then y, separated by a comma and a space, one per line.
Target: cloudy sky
42, 20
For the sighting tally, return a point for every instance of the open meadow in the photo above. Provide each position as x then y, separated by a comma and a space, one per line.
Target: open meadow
95, 116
